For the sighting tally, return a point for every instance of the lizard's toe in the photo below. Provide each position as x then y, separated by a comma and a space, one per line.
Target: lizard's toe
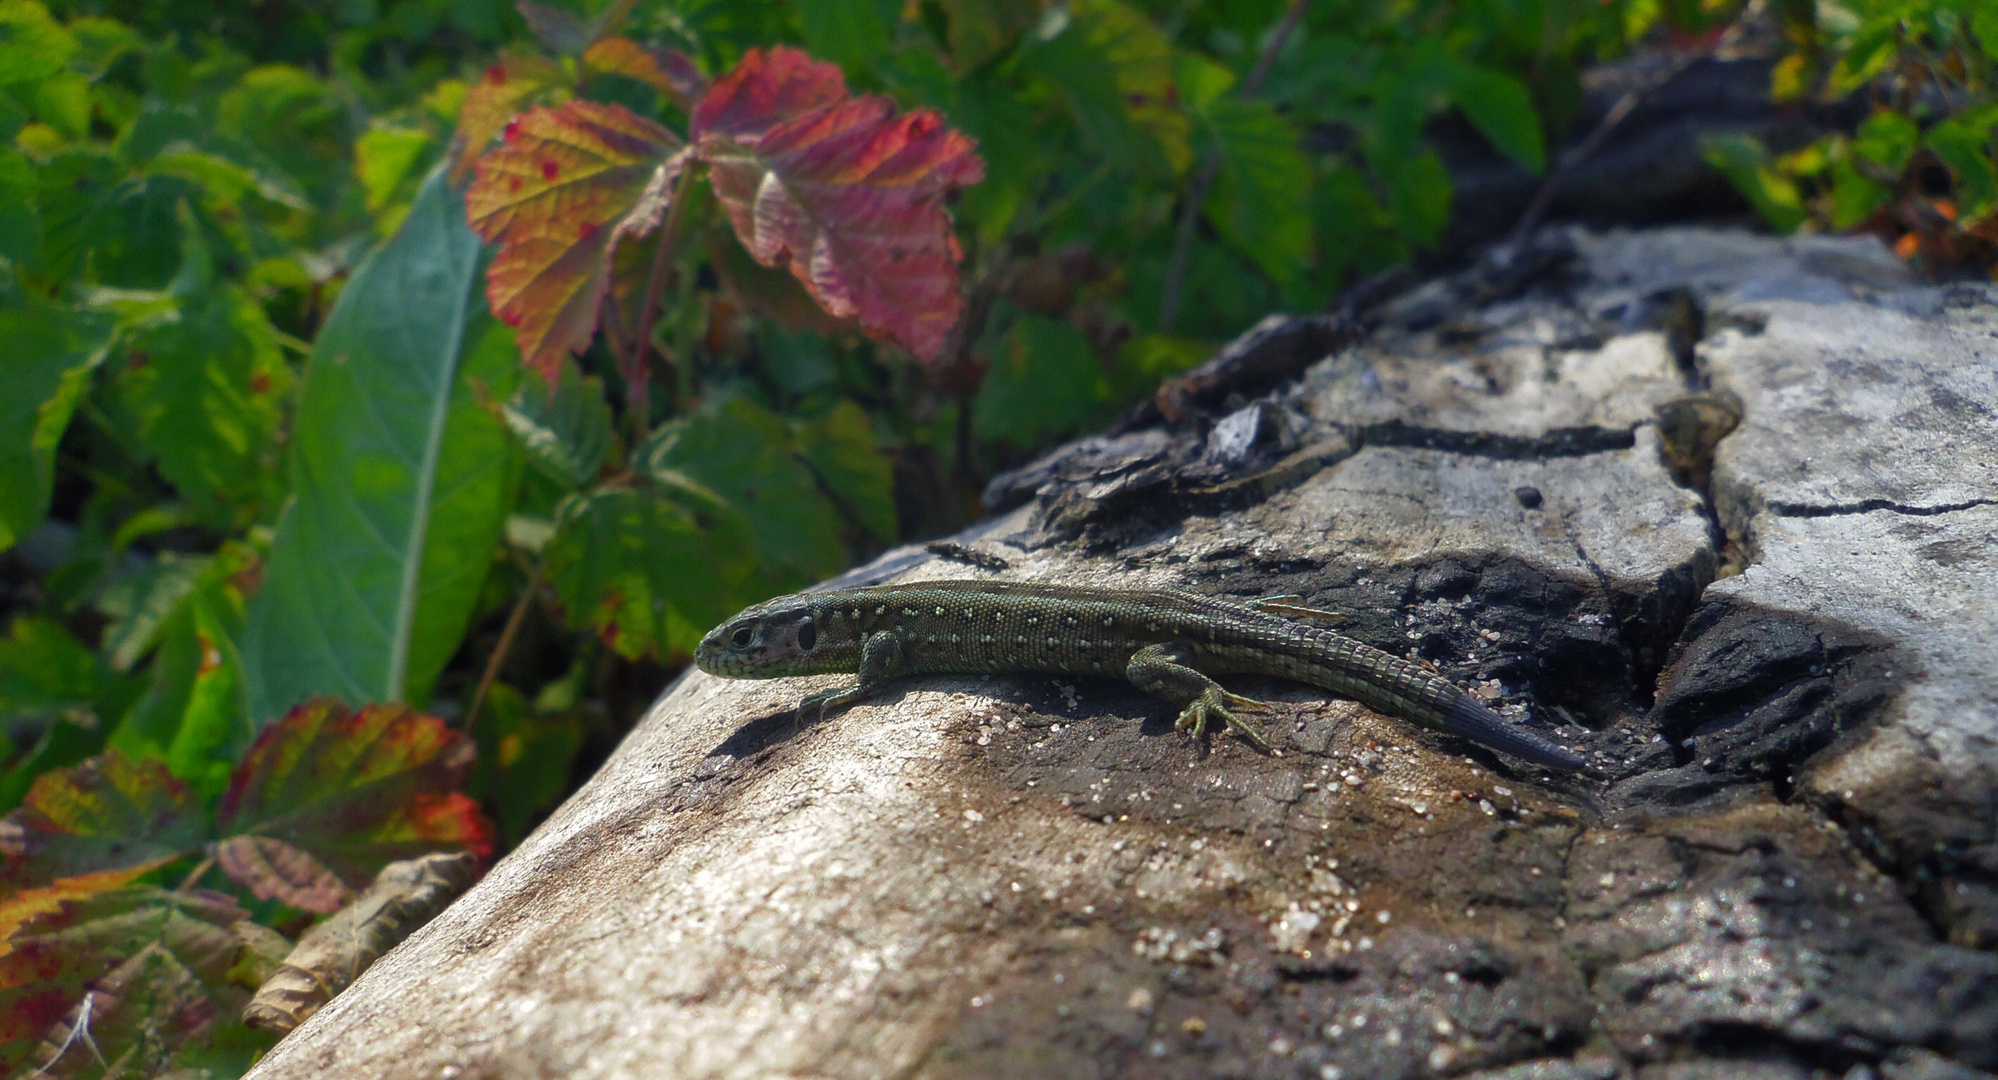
1218, 704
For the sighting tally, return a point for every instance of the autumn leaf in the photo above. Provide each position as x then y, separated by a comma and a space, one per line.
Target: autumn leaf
669, 71
505, 87
845, 191
353, 789
106, 813
138, 962
567, 186
274, 870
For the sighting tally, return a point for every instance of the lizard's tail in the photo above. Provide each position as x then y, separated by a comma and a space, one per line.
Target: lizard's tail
1473, 721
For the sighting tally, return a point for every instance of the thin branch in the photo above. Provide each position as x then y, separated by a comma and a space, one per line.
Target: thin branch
1210, 170
511, 630
200, 869
655, 282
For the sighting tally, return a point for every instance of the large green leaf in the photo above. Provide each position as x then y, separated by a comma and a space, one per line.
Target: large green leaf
1262, 198
44, 371
1044, 380
400, 477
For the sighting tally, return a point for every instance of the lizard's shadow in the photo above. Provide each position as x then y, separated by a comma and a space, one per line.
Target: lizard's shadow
772, 729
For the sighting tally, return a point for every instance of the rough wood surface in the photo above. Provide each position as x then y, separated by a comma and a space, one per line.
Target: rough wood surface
1725, 501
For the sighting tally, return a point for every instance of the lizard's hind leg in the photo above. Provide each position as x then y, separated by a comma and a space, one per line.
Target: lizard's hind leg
1165, 671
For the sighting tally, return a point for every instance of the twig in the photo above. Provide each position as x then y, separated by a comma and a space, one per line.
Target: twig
511, 630
637, 401
1210, 170
1617, 114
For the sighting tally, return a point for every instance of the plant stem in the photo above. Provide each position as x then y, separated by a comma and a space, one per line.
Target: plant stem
1210, 170
510, 631
655, 282
200, 869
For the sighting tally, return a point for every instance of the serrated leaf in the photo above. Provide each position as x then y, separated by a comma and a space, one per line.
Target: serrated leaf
1114, 68
357, 789
20, 221
155, 963
1044, 381
502, 91
979, 30
274, 870
647, 573
33, 46
567, 186
1262, 197
204, 392
1745, 163
840, 447
565, 429
742, 453
845, 191
43, 375
45, 671
560, 31
140, 604
669, 71
1500, 107
401, 477
109, 812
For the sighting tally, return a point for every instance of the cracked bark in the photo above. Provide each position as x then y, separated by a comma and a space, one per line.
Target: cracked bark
1573, 489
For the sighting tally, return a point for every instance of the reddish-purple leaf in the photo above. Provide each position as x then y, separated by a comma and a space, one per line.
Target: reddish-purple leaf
567, 186
505, 88
357, 789
669, 71
274, 870
108, 812
845, 191
141, 962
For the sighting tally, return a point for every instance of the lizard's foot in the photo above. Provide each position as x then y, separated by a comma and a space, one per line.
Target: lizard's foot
817, 704
1215, 703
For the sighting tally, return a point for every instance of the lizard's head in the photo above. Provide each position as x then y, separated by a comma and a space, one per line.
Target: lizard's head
787, 636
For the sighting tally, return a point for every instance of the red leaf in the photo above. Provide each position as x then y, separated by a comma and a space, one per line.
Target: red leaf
357, 789
845, 190
109, 811
501, 92
154, 963
669, 71
274, 870
545, 198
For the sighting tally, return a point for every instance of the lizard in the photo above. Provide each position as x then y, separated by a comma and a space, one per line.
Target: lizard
1164, 641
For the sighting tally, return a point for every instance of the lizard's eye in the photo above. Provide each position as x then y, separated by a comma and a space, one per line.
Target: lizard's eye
742, 637
808, 636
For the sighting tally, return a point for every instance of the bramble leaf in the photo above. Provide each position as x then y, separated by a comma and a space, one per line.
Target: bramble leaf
566, 428
646, 572
1262, 200
845, 191
502, 91
106, 813
569, 183
840, 447
49, 358
142, 965
275, 870
1044, 380
669, 71
357, 789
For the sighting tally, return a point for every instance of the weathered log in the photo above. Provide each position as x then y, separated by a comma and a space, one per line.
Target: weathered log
1770, 616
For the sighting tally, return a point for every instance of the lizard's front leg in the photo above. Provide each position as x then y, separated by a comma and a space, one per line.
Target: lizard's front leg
1166, 671
880, 661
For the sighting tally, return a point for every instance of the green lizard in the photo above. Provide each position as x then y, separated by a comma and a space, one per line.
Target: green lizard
1164, 641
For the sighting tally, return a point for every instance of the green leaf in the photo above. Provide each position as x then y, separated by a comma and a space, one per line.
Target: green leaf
1114, 68
44, 672
216, 728
1745, 163
386, 159
140, 604
105, 813
1419, 196
742, 453
1855, 197
33, 47
840, 447
851, 33
1355, 231
401, 478
44, 372
357, 790
1887, 139
524, 759
1044, 381
20, 220
63, 103
204, 392
1500, 107
1261, 198
1964, 143
565, 429
647, 573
